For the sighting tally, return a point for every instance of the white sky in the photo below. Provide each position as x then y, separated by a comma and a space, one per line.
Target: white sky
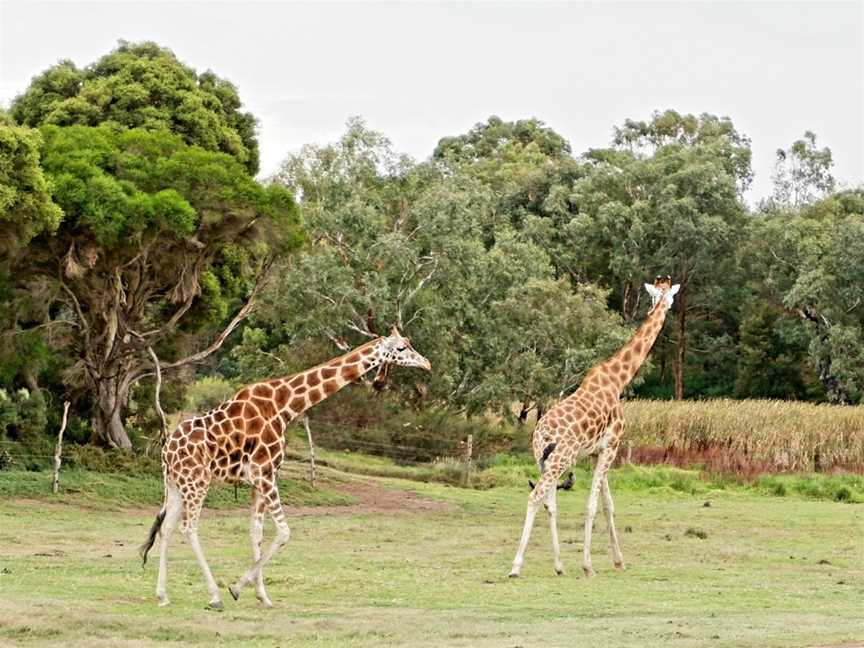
418, 72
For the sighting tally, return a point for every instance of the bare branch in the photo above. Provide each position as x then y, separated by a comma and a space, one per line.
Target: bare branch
158, 402
242, 314
361, 330
341, 343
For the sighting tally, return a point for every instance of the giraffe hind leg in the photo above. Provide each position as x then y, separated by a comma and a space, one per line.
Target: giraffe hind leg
603, 462
552, 510
609, 509
173, 509
256, 533
548, 481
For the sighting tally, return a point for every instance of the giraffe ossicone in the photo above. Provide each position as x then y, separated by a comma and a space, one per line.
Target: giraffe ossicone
590, 421
242, 440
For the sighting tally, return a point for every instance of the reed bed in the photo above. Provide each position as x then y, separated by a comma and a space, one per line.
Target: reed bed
745, 436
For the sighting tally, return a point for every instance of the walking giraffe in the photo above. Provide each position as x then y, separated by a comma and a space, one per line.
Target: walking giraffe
586, 422
242, 441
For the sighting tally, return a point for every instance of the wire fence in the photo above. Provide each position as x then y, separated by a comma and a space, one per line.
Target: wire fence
402, 446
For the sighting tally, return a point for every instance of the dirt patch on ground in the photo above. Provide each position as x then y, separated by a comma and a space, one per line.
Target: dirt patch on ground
373, 498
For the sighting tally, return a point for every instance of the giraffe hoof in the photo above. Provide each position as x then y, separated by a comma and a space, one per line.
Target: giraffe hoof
216, 605
589, 573
235, 592
513, 574
265, 602
559, 571
620, 566
163, 602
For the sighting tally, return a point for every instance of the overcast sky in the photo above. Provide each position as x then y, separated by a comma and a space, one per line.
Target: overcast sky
418, 72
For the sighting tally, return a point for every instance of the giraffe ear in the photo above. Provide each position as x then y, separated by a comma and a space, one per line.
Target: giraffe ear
674, 290
652, 290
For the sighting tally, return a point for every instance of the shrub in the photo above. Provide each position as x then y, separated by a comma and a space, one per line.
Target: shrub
206, 393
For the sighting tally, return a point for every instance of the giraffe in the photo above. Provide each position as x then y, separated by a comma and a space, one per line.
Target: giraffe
590, 421
242, 441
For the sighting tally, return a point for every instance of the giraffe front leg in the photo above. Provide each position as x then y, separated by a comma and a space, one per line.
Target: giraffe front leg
194, 503
270, 494
603, 463
256, 533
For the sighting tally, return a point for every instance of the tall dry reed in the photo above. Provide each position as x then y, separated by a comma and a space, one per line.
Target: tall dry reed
750, 434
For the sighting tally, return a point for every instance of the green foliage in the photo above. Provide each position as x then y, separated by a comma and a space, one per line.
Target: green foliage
142, 85
802, 175
206, 393
23, 417
439, 254
770, 355
26, 208
500, 139
812, 261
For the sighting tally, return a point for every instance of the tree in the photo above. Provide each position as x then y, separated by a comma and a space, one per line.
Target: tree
813, 262
157, 243
802, 175
142, 85
433, 248
164, 232
770, 355
666, 198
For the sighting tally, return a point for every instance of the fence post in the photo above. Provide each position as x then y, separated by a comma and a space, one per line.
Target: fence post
311, 451
469, 449
55, 485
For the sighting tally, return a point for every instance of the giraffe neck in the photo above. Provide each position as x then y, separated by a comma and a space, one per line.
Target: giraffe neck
298, 392
624, 364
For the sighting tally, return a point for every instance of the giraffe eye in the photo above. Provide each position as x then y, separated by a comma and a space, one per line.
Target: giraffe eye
401, 349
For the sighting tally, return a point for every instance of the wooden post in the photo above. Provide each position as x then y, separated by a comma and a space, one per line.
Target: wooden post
469, 449
311, 451
55, 486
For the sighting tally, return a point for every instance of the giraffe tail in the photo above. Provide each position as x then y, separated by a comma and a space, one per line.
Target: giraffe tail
151, 538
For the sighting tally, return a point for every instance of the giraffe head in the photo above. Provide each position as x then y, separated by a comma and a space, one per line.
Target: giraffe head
395, 349
662, 289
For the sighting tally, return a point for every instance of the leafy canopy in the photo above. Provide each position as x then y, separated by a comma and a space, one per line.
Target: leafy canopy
142, 85
26, 208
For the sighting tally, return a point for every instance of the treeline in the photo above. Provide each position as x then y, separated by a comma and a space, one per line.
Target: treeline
133, 230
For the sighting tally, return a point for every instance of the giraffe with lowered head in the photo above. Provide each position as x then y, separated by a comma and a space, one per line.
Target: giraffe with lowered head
242, 441
590, 421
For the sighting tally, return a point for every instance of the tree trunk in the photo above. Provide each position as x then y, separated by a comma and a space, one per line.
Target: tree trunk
107, 420
836, 392
524, 411
678, 365
834, 389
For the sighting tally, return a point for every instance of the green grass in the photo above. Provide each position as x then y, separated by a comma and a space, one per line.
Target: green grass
749, 570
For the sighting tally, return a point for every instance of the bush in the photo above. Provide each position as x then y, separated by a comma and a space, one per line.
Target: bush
124, 462
206, 393
23, 417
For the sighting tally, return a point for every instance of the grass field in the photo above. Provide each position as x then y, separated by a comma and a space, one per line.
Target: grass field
408, 564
